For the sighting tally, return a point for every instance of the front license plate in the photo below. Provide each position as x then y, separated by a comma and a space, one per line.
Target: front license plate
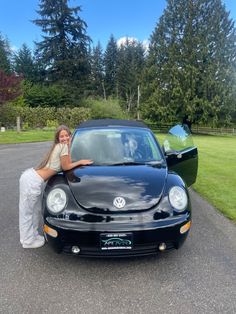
116, 241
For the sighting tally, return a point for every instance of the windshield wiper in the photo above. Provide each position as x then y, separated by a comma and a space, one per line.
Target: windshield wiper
154, 162
130, 163
127, 163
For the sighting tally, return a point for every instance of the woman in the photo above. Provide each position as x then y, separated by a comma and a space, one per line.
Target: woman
32, 184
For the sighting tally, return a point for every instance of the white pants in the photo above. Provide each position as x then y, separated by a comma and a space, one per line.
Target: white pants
31, 187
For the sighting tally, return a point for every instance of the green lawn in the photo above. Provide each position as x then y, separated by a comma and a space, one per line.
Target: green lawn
216, 179
217, 172
12, 137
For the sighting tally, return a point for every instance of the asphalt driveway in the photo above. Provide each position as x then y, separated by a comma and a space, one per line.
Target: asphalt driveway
198, 278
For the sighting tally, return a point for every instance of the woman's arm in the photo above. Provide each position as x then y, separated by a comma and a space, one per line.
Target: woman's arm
67, 164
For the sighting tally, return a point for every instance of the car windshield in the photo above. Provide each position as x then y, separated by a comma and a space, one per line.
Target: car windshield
114, 146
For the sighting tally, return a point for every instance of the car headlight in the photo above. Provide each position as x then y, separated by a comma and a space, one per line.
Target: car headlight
56, 200
178, 198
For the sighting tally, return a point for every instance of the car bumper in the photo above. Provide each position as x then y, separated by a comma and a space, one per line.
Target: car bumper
146, 237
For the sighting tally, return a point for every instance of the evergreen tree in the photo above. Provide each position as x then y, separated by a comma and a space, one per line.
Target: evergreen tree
129, 70
5, 55
110, 67
97, 72
24, 64
64, 46
191, 63
36, 95
218, 69
41, 74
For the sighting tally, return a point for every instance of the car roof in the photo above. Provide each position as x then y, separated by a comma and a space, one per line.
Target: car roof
112, 122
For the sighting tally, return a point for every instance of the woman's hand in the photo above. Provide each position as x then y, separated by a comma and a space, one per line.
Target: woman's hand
84, 162
66, 163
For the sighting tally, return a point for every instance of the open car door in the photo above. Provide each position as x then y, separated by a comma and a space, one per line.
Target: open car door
181, 154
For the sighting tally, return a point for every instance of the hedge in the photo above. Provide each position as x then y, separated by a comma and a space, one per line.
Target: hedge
46, 117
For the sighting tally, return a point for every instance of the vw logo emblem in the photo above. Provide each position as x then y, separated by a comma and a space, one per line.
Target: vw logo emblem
119, 202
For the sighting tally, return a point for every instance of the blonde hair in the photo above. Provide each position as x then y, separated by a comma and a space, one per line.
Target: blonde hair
56, 141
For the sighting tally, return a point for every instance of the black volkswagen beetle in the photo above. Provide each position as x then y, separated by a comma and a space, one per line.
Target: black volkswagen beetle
133, 200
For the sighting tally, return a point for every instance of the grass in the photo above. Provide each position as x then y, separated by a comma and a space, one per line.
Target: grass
12, 137
216, 180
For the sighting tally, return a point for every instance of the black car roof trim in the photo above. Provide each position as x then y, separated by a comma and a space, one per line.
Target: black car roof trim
111, 122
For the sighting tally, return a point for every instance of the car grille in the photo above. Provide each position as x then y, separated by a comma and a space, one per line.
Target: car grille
140, 250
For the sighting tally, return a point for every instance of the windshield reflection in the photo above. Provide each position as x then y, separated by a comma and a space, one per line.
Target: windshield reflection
137, 194
113, 146
179, 138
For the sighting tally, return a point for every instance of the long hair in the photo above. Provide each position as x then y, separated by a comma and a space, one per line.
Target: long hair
56, 141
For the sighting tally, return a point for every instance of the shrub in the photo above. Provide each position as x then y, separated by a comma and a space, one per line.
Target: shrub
8, 116
38, 117
101, 109
79, 115
52, 124
51, 117
73, 116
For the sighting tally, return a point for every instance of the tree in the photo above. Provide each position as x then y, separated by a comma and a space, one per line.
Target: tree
218, 67
110, 67
191, 63
36, 95
129, 70
5, 55
9, 87
97, 72
24, 64
64, 46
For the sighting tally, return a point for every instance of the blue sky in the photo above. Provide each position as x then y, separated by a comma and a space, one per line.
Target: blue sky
132, 18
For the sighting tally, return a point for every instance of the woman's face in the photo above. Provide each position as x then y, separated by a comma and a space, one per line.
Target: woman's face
64, 137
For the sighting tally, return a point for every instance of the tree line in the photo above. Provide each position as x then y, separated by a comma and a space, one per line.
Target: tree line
188, 71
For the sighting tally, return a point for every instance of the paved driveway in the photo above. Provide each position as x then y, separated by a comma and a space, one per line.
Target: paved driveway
198, 278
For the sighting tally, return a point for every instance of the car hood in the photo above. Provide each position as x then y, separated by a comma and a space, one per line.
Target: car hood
96, 187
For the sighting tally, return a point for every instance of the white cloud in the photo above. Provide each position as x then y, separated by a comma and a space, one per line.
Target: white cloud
123, 40
146, 44
14, 48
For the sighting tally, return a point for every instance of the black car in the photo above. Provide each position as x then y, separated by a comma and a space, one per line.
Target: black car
133, 200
